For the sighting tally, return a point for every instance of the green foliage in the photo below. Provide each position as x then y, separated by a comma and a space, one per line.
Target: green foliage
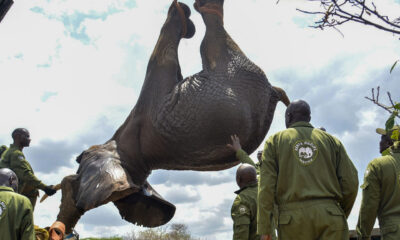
395, 135
390, 122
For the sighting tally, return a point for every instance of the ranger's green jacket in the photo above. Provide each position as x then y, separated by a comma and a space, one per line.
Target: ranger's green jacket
381, 195
28, 183
16, 216
244, 214
303, 163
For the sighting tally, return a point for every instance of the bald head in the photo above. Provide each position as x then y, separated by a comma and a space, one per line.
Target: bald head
246, 175
21, 137
8, 178
297, 111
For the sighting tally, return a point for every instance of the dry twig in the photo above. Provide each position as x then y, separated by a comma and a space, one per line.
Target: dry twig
390, 109
338, 12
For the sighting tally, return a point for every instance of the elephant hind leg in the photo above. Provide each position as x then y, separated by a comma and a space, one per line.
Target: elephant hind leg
282, 95
210, 7
188, 28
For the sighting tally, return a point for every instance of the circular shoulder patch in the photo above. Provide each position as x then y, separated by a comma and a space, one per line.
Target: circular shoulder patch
305, 151
242, 209
367, 171
2, 208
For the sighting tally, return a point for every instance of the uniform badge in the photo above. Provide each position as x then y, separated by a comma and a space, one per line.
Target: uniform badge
305, 151
21, 158
242, 209
366, 173
2, 208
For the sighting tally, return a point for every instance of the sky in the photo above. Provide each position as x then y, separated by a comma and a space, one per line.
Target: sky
71, 71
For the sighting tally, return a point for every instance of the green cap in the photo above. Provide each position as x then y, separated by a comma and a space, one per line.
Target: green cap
382, 131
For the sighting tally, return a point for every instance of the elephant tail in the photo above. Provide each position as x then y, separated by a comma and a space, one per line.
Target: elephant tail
282, 95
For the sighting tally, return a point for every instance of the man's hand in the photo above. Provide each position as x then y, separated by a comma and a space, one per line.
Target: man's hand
266, 237
235, 146
49, 190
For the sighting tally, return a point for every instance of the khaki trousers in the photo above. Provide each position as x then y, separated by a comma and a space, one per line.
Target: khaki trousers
312, 220
390, 228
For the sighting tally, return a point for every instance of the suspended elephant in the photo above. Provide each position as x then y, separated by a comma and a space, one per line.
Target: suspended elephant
178, 123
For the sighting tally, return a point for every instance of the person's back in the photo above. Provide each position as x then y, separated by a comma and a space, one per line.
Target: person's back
16, 213
244, 207
390, 182
244, 212
308, 174
15, 216
309, 155
381, 194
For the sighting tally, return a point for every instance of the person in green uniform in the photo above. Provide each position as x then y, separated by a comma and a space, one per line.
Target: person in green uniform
381, 191
244, 207
3, 148
308, 174
244, 158
242, 155
16, 213
14, 159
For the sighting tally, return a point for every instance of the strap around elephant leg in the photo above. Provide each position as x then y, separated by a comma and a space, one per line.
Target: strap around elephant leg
57, 231
183, 18
211, 8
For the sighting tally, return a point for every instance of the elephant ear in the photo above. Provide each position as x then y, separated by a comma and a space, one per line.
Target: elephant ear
101, 177
146, 208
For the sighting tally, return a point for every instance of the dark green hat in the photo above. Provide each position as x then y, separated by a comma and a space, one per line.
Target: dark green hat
382, 131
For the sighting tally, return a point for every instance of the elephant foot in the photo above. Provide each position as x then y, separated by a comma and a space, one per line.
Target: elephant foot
210, 6
177, 8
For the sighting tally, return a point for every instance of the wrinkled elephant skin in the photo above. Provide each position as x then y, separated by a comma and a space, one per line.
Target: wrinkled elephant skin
181, 124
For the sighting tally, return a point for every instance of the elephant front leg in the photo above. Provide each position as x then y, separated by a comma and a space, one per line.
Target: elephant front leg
69, 214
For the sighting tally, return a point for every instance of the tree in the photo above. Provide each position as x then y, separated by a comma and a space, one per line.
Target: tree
170, 232
337, 12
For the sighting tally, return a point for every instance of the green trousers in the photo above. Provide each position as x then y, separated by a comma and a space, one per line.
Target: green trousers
390, 228
312, 220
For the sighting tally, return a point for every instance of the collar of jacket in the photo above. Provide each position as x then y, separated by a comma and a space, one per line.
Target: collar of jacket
251, 185
396, 149
13, 146
301, 124
6, 189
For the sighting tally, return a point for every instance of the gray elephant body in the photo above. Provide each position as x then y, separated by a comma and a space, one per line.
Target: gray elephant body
177, 123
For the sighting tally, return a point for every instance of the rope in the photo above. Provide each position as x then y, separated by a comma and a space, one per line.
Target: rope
183, 18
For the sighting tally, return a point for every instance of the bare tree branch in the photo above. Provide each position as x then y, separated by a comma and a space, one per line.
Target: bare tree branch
376, 101
390, 99
338, 12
